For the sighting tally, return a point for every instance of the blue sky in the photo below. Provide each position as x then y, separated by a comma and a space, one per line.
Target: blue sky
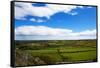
64, 20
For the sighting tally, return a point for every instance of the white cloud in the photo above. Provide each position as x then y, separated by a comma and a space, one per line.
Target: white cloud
24, 9
41, 30
32, 19
74, 13
48, 33
89, 7
38, 20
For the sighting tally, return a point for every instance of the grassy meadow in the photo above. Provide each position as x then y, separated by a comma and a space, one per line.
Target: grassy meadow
48, 52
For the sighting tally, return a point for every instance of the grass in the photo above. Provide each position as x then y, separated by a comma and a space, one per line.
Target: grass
81, 55
52, 52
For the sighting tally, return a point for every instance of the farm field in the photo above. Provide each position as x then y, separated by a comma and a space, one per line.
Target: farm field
48, 52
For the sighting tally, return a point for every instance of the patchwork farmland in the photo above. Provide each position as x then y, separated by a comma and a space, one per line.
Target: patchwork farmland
48, 52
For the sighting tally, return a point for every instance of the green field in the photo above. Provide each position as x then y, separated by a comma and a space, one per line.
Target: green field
54, 52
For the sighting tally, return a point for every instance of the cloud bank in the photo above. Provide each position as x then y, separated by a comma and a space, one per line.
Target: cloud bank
27, 9
48, 33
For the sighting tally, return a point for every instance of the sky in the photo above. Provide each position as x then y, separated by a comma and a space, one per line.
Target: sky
40, 21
